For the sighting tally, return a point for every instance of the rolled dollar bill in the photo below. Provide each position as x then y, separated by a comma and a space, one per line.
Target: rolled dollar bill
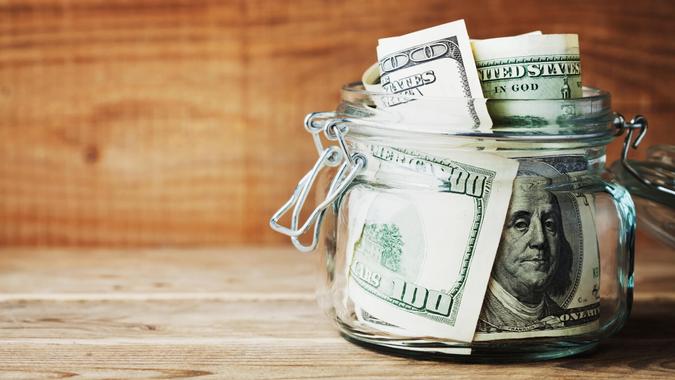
529, 66
371, 78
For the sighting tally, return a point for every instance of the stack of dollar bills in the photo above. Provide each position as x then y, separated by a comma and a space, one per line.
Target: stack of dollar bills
492, 253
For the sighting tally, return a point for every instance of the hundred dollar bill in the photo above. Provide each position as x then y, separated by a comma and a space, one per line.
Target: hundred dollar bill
421, 258
436, 63
546, 276
529, 66
567, 248
371, 83
371, 77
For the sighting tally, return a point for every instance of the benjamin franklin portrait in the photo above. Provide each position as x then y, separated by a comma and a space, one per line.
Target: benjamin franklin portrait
533, 264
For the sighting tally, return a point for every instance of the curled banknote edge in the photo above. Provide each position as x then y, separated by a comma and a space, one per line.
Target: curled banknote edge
371, 79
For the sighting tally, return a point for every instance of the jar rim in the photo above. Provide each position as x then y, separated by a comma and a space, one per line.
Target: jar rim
589, 94
589, 122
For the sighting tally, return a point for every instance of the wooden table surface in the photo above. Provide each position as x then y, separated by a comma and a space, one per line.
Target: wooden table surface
251, 313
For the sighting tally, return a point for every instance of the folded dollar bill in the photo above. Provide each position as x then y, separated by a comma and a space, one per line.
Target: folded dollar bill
421, 258
435, 63
546, 276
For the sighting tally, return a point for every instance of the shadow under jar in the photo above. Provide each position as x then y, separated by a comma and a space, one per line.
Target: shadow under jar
420, 234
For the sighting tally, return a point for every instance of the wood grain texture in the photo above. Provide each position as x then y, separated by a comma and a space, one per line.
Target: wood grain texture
250, 314
178, 122
295, 359
160, 274
166, 271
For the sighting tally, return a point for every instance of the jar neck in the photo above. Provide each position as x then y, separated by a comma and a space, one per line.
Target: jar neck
397, 166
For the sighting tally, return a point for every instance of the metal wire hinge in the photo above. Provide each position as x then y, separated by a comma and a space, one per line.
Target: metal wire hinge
639, 122
352, 163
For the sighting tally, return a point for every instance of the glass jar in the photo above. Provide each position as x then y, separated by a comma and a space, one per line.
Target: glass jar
443, 237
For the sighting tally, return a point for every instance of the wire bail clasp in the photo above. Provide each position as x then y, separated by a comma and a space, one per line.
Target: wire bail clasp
640, 123
333, 129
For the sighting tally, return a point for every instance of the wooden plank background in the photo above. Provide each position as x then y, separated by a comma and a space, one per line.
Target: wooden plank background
178, 122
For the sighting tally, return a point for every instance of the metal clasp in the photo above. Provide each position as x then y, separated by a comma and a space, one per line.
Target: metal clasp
333, 129
639, 122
